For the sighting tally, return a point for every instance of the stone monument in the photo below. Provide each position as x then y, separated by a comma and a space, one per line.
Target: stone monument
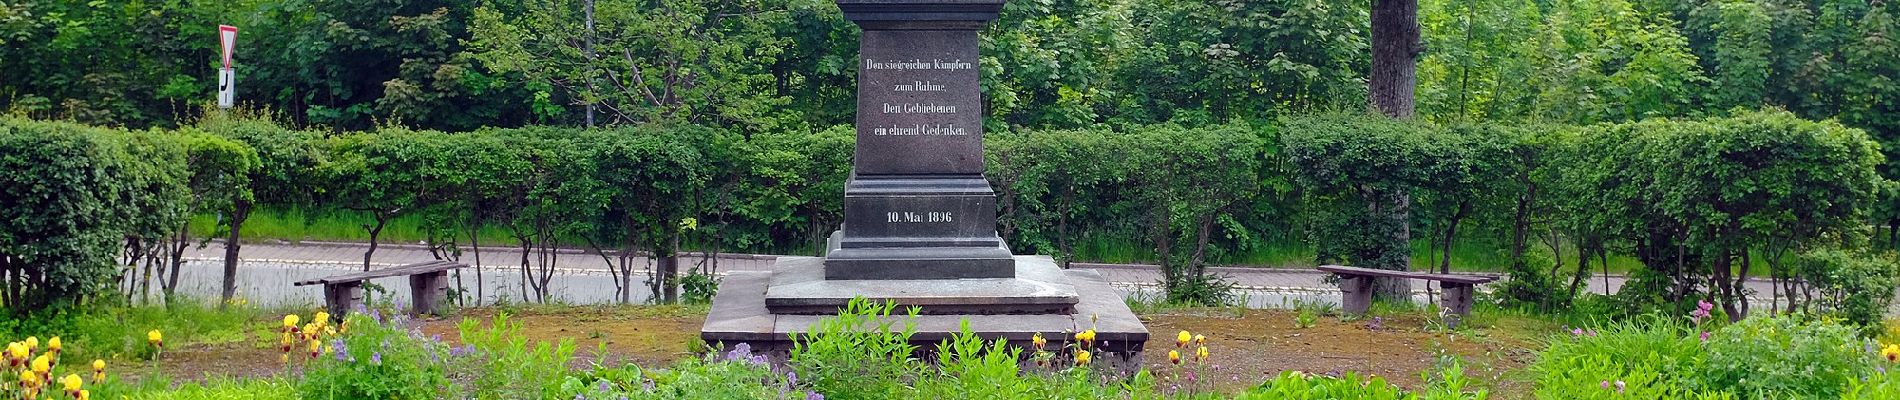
920, 219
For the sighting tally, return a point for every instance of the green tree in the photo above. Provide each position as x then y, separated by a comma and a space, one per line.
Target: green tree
666, 61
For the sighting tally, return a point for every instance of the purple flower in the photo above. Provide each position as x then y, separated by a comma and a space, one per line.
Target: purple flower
791, 378
1705, 336
376, 358
740, 352
604, 387
462, 350
814, 396
1605, 384
1576, 332
578, 396
376, 315
1619, 387
646, 385
342, 351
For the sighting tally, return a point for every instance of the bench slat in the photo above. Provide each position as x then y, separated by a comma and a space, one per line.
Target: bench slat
400, 270
1464, 279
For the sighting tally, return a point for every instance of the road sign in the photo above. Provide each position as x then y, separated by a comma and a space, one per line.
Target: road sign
227, 94
227, 39
227, 77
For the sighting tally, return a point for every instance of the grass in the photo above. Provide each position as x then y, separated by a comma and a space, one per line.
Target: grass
117, 332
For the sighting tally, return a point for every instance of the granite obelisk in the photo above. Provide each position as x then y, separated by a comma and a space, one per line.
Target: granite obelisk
920, 218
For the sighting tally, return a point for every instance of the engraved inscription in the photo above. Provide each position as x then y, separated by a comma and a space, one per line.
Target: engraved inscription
921, 130
912, 217
916, 64
918, 86
919, 108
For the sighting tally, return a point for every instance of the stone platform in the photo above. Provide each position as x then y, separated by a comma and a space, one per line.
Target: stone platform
1037, 286
740, 313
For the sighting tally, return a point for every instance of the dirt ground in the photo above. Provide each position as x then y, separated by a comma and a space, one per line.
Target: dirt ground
1249, 346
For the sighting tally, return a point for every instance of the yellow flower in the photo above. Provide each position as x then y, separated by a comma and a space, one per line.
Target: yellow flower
53, 344
1181, 340
32, 343
71, 382
17, 351
1174, 357
1038, 341
284, 358
290, 321
1200, 354
322, 318
1082, 357
157, 339
1200, 340
98, 365
1086, 336
85, 395
41, 364
1891, 352
27, 378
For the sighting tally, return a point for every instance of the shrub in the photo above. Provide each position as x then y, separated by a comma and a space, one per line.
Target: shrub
1785, 358
1857, 288
1653, 359
70, 194
1296, 385
378, 359
862, 353
738, 374
504, 366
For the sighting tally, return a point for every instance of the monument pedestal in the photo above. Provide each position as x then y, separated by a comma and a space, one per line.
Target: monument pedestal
767, 310
920, 219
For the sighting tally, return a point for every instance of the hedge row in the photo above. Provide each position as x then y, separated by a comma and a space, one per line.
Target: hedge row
1690, 198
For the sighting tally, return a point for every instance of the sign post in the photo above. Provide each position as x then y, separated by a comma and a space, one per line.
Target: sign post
227, 77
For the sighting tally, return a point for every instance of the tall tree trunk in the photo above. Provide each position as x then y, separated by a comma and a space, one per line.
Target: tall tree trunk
670, 269
1451, 232
240, 211
176, 262
374, 232
1395, 49
475, 243
1393, 208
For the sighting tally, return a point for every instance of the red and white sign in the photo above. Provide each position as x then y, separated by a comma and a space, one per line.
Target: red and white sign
227, 37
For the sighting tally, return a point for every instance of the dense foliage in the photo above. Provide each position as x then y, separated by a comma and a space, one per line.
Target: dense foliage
1699, 202
1788, 356
463, 64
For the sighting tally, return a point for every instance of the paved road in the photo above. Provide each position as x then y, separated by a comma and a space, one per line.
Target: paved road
582, 277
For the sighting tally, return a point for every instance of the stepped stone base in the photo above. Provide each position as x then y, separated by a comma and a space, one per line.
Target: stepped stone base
1038, 286
740, 312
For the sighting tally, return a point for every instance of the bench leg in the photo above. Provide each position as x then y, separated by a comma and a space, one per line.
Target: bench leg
343, 298
429, 291
1355, 294
1456, 302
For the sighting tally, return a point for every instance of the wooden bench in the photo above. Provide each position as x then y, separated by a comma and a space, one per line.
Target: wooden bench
428, 286
1355, 287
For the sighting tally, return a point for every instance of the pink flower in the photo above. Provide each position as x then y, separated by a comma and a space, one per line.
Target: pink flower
1576, 332
1705, 336
1702, 311
1605, 384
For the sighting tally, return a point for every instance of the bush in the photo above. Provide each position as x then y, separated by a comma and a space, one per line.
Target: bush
70, 194
862, 353
503, 365
1661, 358
378, 359
1856, 288
1786, 358
1658, 358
